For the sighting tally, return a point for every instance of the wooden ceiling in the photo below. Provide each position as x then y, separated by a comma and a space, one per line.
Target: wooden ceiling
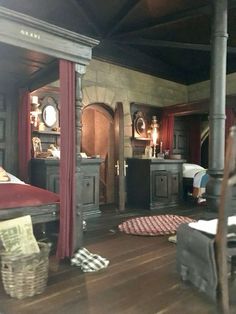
166, 38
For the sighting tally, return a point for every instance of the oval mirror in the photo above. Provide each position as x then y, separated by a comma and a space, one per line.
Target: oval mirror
140, 126
49, 115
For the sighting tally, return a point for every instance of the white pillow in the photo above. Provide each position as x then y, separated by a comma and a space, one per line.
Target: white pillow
189, 170
13, 179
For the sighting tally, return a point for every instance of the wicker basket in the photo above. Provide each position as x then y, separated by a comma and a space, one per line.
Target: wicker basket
25, 275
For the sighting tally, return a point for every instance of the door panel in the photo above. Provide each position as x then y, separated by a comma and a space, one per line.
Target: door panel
119, 157
160, 185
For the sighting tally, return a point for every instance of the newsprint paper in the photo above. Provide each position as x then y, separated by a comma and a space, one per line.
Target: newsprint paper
17, 236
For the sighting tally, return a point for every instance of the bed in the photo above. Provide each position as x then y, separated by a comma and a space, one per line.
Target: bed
195, 178
19, 199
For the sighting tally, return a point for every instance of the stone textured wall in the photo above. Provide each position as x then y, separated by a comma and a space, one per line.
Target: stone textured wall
109, 84
202, 90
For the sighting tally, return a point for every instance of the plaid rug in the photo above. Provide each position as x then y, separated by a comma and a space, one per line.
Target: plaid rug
153, 225
88, 262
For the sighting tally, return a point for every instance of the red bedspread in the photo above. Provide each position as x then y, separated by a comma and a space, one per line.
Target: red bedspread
23, 195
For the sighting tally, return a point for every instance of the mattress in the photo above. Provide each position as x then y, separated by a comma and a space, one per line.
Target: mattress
14, 195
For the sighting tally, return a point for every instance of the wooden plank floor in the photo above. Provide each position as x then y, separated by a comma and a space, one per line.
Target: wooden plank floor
141, 277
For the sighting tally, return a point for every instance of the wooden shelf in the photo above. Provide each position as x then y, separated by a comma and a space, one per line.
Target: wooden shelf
47, 132
141, 138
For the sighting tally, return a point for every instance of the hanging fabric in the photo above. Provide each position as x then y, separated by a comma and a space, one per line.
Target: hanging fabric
195, 136
230, 119
68, 158
167, 131
24, 135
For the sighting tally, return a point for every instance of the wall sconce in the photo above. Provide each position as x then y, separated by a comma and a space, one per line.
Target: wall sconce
154, 134
35, 112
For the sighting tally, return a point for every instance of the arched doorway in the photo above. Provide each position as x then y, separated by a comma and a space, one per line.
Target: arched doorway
205, 148
98, 139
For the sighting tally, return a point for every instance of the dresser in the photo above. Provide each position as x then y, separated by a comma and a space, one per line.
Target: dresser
45, 174
154, 183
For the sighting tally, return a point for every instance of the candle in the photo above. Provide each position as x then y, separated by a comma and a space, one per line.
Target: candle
161, 147
35, 99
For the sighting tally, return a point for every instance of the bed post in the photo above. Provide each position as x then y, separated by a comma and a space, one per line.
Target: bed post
78, 216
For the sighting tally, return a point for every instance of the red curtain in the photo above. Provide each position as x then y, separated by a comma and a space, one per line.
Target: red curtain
167, 131
195, 138
67, 161
230, 120
24, 135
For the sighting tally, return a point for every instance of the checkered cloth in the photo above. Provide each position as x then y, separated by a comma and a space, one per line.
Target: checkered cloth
88, 262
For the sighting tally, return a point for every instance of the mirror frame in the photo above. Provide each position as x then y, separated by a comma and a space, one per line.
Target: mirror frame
45, 115
49, 102
140, 125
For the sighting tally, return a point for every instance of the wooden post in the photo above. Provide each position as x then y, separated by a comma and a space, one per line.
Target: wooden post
217, 103
78, 221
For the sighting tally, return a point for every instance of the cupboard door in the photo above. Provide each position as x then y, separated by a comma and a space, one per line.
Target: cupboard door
160, 186
175, 180
88, 194
53, 182
175, 186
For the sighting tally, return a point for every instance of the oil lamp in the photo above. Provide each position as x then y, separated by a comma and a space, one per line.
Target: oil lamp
154, 134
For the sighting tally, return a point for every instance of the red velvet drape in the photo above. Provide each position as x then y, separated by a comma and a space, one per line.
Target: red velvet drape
230, 120
24, 135
195, 138
67, 161
167, 131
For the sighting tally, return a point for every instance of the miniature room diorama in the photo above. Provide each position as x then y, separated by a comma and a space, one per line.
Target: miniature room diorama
65, 163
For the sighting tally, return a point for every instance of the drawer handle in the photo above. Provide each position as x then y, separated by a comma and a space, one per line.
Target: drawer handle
87, 184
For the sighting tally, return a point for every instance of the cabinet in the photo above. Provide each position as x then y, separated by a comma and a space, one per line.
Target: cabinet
154, 183
45, 174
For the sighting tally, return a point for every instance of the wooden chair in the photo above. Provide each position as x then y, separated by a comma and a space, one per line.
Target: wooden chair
221, 241
203, 259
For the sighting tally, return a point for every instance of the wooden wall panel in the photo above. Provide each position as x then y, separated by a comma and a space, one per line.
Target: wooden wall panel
8, 127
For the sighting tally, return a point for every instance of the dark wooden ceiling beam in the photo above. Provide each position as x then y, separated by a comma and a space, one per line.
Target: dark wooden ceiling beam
167, 20
43, 77
122, 15
173, 18
170, 44
132, 58
83, 7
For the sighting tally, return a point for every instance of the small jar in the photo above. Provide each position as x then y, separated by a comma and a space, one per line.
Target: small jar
41, 126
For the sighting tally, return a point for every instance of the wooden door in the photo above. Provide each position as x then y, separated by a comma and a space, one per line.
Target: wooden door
119, 157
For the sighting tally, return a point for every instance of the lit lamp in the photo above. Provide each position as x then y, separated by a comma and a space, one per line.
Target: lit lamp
154, 134
34, 113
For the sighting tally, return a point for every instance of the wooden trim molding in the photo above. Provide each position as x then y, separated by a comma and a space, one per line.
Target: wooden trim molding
27, 32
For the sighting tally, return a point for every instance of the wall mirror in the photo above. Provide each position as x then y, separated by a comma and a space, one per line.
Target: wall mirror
50, 113
140, 125
49, 116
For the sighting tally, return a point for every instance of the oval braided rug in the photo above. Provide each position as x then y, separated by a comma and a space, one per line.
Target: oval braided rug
153, 225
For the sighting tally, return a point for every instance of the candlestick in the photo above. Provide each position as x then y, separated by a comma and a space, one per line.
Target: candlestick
161, 147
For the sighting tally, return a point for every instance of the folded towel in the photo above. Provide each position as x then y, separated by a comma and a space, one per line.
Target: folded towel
88, 262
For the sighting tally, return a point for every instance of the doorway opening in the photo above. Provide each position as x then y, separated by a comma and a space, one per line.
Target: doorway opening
205, 150
98, 140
